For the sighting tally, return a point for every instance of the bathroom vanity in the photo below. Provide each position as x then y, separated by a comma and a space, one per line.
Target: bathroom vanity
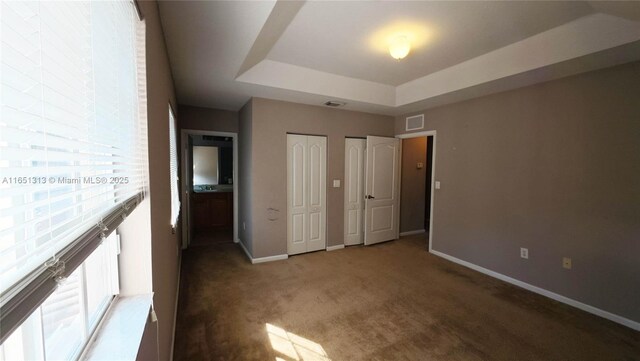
212, 208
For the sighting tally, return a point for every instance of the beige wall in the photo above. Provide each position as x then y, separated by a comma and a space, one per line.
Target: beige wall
165, 245
413, 185
555, 168
271, 121
207, 119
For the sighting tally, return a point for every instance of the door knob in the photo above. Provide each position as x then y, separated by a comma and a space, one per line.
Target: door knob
369, 196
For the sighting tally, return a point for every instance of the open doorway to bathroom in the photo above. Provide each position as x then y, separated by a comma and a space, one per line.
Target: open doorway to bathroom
417, 184
209, 187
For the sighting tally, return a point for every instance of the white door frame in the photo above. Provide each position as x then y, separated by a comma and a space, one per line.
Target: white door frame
425, 133
186, 173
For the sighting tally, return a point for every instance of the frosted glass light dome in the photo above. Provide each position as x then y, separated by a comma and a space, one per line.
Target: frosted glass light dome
400, 47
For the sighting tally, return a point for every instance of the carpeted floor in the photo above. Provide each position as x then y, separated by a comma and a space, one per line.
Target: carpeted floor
206, 238
392, 301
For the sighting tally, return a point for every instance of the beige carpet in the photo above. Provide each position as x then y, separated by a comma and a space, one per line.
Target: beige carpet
206, 238
392, 301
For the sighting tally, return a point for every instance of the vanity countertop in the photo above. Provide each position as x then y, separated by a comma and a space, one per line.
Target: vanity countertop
214, 191
215, 188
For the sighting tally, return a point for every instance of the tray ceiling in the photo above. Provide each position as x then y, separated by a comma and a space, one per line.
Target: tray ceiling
223, 52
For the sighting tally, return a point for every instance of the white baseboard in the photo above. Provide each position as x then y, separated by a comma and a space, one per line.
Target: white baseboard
409, 233
262, 259
571, 302
278, 257
335, 248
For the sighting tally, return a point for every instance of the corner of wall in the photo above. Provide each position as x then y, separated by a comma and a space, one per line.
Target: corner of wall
245, 186
165, 248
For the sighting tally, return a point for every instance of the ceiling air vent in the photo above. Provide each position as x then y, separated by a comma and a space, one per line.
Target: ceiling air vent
415, 122
334, 104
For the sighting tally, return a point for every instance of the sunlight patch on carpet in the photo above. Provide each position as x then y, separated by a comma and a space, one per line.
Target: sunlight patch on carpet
294, 347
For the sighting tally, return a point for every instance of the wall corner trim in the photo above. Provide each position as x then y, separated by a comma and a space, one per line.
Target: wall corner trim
335, 248
541, 291
278, 257
409, 233
245, 250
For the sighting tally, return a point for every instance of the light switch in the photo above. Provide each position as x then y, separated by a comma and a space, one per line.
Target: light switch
336, 183
420, 165
437, 184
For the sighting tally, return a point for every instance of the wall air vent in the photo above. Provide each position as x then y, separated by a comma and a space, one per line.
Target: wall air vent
415, 122
334, 104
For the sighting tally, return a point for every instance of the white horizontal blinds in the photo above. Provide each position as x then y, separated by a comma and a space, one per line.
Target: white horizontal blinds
173, 169
116, 96
70, 135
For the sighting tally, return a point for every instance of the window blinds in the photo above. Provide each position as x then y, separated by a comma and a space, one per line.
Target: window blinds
173, 169
72, 143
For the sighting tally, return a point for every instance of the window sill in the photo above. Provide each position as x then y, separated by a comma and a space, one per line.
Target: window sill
120, 335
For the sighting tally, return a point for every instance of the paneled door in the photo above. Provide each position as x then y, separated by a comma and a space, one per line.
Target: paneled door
306, 193
382, 184
354, 150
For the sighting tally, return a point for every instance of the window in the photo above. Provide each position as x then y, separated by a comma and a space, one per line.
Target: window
72, 159
62, 325
173, 170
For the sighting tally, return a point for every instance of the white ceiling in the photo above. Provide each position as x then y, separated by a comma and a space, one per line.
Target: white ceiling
224, 52
335, 37
207, 41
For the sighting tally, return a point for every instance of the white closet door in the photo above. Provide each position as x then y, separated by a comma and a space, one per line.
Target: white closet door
317, 165
354, 151
382, 183
306, 193
297, 194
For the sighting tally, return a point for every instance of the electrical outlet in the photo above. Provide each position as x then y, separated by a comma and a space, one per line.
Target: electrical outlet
566, 262
524, 253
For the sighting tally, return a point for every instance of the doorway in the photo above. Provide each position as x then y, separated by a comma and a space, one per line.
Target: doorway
209, 187
429, 181
418, 183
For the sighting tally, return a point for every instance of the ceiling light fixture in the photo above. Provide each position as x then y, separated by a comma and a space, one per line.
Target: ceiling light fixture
399, 47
